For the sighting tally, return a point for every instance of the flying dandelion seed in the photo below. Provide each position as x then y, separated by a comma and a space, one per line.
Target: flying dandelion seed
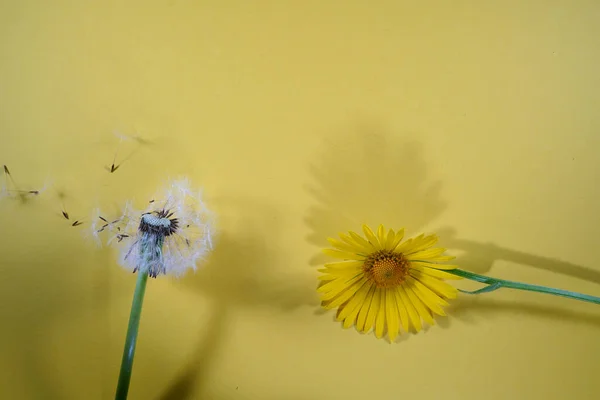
63, 209
72, 220
169, 237
10, 189
139, 141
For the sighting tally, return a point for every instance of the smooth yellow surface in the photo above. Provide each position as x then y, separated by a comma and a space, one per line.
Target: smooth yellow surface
477, 120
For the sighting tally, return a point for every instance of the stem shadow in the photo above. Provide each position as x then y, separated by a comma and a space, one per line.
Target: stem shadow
479, 258
475, 308
196, 373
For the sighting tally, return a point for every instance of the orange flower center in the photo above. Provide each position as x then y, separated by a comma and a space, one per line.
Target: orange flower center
386, 269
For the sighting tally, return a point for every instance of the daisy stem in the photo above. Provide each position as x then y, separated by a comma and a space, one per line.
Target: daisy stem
494, 284
131, 338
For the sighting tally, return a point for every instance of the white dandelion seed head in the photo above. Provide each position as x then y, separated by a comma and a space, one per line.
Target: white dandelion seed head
170, 236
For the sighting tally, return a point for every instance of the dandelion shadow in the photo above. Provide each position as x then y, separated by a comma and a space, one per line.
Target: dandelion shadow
244, 271
195, 373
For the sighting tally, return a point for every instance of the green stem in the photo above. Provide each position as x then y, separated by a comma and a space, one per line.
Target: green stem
495, 284
132, 333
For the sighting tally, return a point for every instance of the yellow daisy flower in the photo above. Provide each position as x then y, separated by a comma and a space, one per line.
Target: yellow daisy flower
383, 282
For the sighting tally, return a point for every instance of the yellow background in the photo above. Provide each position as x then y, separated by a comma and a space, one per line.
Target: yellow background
477, 120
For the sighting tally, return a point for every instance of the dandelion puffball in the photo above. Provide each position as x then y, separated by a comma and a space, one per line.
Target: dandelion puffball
169, 237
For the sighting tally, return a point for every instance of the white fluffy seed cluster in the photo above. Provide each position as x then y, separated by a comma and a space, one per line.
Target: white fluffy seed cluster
178, 252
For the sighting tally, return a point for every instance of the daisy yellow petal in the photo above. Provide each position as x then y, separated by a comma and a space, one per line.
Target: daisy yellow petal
389, 241
344, 271
421, 308
356, 301
412, 312
385, 284
433, 265
344, 255
364, 310
373, 310
397, 239
439, 287
381, 236
341, 265
425, 254
344, 296
327, 277
402, 309
442, 258
355, 236
428, 297
380, 319
371, 237
351, 319
333, 288
402, 247
345, 246
340, 280
391, 314
341, 272
414, 279
423, 243
407, 246
344, 274
434, 272
360, 247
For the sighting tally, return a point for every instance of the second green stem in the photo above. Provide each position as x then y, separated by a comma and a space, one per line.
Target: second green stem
495, 283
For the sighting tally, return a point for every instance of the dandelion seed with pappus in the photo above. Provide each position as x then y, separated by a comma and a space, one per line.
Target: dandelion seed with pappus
169, 237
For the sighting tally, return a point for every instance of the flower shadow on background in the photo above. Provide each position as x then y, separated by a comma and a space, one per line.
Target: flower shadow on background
244, 271
370, 176
480, 257
373, 177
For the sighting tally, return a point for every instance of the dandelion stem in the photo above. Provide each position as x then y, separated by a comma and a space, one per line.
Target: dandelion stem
132, 333
495, 284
